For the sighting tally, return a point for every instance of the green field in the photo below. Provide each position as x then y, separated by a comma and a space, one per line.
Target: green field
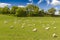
17, 32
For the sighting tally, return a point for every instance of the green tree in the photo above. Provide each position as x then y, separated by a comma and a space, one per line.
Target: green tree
32, 10
41, 13
21, 12
52, 11
5, 10
13, 9
1, 10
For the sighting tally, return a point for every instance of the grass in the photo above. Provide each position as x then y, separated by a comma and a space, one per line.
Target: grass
26, 33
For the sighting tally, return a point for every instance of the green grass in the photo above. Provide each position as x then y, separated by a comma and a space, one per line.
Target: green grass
26, 33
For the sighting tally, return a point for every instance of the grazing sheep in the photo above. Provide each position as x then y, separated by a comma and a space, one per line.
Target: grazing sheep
11, 27
22, 26
34, 30
47, 28
54, 35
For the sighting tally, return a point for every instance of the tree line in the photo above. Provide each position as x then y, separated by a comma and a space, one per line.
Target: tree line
28, 11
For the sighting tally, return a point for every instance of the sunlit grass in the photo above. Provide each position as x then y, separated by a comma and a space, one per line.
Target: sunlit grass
29, 23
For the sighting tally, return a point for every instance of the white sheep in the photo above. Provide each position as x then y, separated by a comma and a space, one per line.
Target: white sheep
11, 27
54, 35
22, 26
34, 30
47, 28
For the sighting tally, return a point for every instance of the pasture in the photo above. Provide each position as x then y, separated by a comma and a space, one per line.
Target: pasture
29, 28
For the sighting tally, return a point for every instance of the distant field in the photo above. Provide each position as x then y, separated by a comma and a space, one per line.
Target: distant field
20, 28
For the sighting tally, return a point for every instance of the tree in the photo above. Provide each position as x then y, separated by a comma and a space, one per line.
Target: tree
41, 13
0, 10
52, 11
5, 10
13, 9
32, 10
21, 12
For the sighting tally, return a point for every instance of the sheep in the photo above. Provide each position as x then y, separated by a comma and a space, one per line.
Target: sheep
34, 30
22, 26
47, 28
11, 27
54, 35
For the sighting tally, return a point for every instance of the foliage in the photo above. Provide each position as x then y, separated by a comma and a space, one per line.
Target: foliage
13, 9
21, 12
52, 11
41, 13
30, 10
5, 10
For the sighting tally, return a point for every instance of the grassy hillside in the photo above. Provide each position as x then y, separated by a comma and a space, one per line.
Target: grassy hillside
21, 28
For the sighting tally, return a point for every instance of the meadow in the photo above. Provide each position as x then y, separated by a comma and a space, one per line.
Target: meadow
22, 28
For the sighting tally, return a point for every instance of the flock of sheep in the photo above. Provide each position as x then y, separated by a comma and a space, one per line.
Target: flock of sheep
34, 29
